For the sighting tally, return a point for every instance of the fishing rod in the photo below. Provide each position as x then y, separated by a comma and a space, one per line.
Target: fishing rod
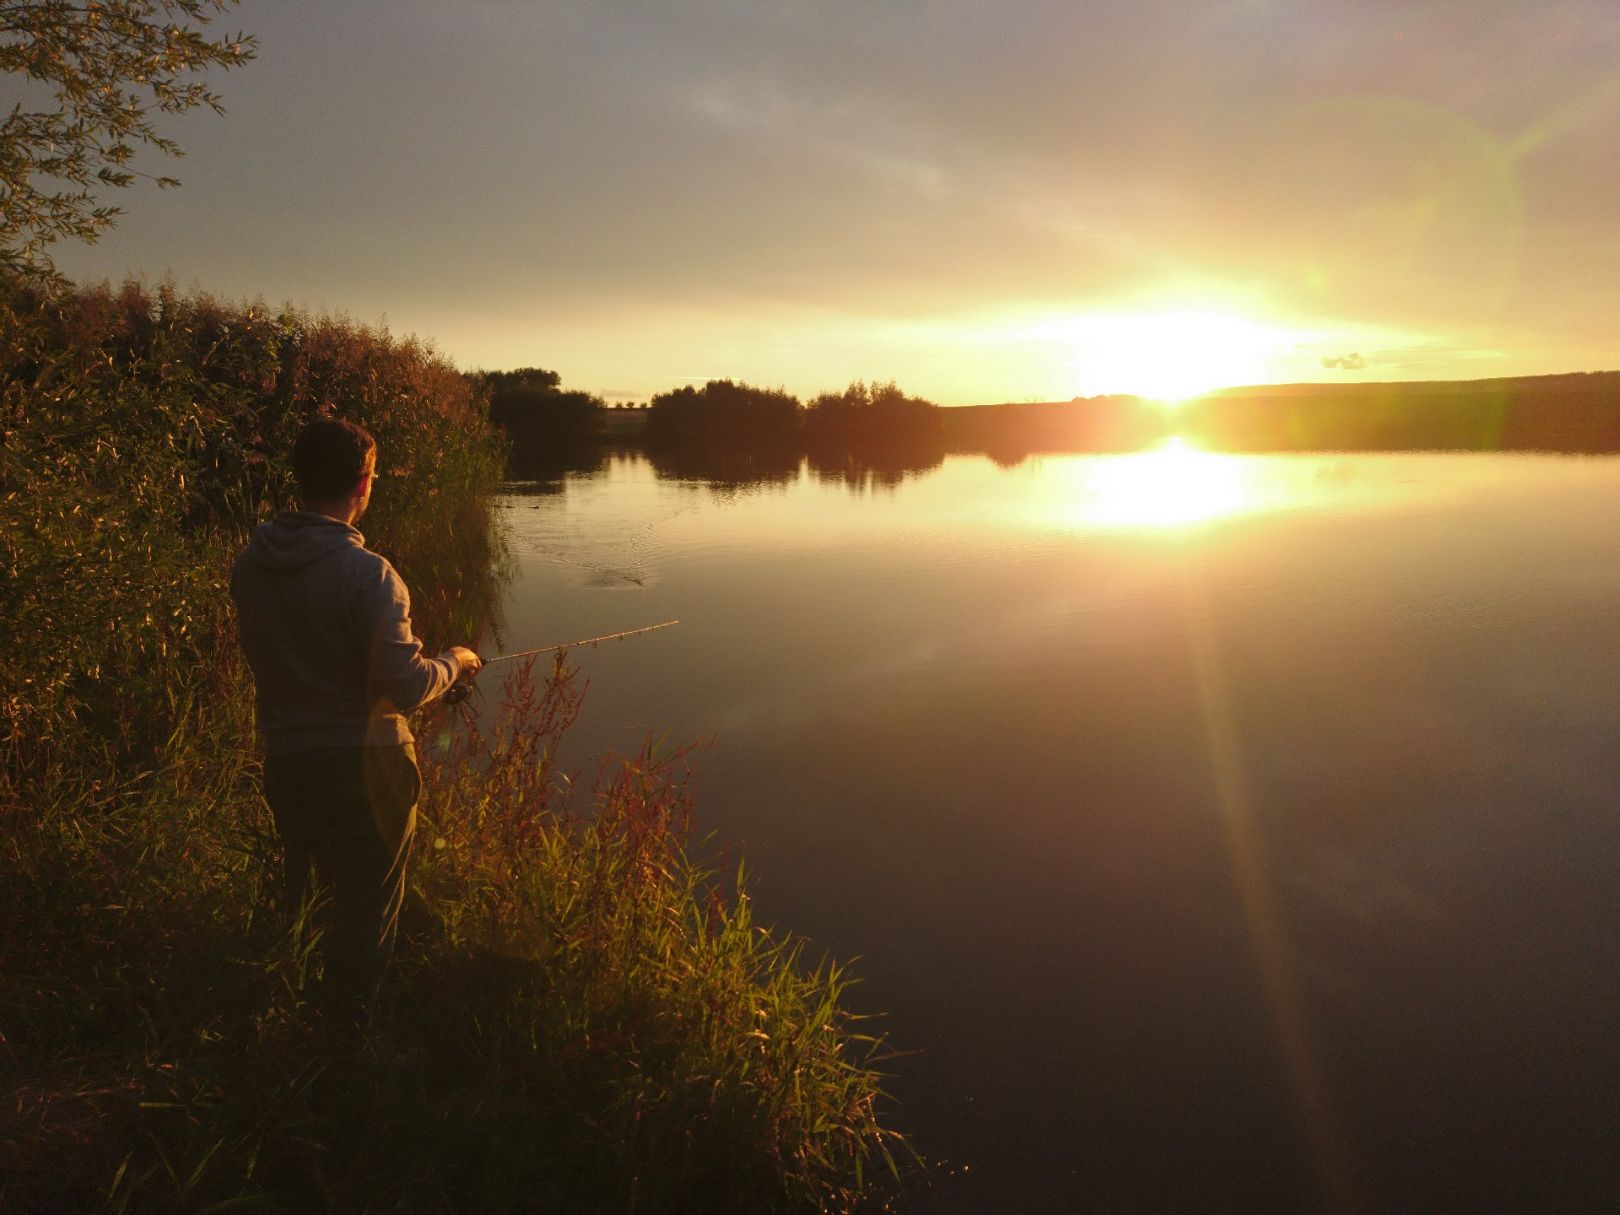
458, 690
566, 645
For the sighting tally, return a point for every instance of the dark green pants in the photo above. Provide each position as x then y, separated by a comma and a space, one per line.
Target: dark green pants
349, 813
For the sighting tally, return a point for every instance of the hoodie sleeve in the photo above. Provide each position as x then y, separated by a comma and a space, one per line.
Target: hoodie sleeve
397, 674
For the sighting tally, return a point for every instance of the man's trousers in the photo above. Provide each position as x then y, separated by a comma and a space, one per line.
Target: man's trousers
350, 813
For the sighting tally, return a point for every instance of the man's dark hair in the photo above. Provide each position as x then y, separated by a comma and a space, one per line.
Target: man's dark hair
329, 458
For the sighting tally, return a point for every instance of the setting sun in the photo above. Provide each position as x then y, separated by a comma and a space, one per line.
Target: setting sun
1173, 355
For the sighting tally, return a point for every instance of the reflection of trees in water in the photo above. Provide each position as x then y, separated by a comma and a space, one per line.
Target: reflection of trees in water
1005, 454
525, 487
744, 468
875, 468
540, 466
737, 436
726, 467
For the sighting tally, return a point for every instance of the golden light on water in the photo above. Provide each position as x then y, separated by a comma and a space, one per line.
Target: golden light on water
1172, 485
1275, 967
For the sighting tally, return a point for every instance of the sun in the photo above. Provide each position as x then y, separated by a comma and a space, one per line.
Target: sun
1173, 355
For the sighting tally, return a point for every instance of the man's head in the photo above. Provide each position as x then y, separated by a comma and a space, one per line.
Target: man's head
334, 462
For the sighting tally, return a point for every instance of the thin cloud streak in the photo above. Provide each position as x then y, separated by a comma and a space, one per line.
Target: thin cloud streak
584, 185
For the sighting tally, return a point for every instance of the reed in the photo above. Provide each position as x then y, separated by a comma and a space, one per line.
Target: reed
580, 1016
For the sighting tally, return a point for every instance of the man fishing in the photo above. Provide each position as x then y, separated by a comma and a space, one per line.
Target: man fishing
326, 627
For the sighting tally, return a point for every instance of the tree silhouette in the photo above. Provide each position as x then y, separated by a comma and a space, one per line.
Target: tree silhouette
531, 403
872, 417
738, 414
108, 66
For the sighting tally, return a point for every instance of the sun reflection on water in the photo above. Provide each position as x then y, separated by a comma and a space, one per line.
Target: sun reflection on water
1172, 485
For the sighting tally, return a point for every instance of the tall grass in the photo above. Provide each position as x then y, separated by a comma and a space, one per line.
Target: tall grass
141, 436
579, 1018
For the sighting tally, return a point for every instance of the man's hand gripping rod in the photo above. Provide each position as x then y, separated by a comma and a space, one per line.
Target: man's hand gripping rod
459, 690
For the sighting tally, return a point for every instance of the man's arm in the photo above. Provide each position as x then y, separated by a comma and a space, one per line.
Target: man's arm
397, 673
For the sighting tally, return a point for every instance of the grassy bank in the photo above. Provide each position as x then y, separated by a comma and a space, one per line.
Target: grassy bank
579, 1019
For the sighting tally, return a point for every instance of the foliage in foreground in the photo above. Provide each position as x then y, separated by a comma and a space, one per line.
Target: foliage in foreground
142, 435
578, 1019
107, 67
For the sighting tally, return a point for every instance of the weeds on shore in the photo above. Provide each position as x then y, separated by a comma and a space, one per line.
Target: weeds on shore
142, 436
578, 1019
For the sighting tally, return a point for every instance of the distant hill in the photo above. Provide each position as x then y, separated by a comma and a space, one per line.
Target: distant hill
1574, 412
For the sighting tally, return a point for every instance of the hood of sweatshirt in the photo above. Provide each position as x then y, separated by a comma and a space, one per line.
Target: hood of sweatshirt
299, 538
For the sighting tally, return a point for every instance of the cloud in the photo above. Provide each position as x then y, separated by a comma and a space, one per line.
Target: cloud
629, 186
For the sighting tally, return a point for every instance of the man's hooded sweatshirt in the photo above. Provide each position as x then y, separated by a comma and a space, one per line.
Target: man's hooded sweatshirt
326, 625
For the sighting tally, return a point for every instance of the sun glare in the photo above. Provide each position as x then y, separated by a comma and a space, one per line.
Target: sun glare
1172, 485
1172, 356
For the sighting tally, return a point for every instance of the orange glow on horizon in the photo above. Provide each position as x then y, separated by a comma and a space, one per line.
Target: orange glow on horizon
1174, 355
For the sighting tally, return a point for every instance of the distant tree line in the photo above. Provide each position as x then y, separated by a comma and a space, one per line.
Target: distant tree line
872, 417
739, 415
875, 433
1574, 412
531, 406
722, 424
861, 418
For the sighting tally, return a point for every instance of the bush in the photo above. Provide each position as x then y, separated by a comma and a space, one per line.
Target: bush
143, 436
876, 417
736, 414
578, 1020
530, 404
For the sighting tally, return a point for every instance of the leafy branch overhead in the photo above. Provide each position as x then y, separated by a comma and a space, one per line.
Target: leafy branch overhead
99, 71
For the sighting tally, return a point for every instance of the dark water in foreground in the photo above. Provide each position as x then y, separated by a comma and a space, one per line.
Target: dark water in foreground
1219, 833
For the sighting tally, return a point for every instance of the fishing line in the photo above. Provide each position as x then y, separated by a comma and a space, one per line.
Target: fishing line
462, 687
547, 649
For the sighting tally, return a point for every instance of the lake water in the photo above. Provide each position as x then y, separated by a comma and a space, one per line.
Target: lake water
1215, 833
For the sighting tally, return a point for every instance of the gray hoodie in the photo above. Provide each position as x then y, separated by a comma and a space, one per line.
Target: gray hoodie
326, 625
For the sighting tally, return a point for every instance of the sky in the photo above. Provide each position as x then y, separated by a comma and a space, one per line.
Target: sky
982, 200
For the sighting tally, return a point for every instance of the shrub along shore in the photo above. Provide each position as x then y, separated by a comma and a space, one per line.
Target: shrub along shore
579, 1017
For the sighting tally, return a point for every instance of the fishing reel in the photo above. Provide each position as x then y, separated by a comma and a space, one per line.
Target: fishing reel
458, 692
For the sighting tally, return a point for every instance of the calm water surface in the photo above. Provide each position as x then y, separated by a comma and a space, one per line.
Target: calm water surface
1217, 833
